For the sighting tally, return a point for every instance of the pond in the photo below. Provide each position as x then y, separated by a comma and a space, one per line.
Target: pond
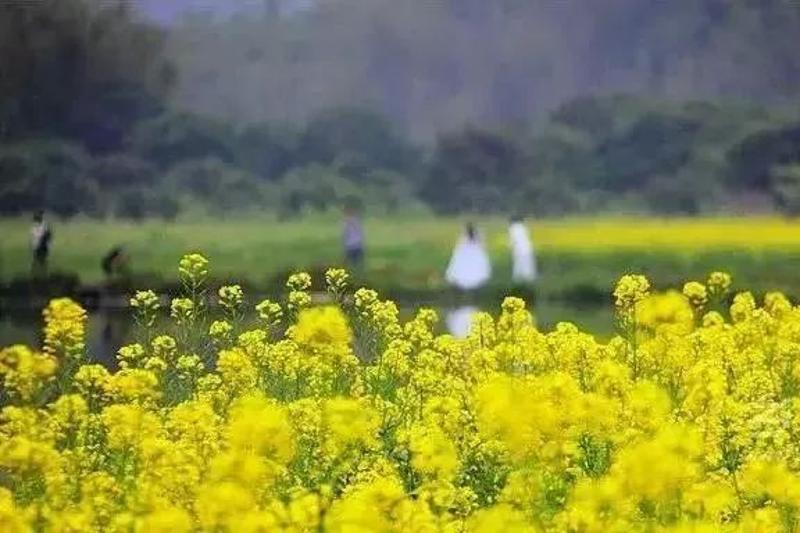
111, 326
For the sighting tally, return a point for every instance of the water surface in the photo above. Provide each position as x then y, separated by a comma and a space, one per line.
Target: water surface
110, 327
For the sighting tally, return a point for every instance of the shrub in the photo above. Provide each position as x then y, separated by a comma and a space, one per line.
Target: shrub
50, 175
475, 171
267, 151
175, 137
785, 188
358, 132
119, 171
213, 183
656, 144
754, 158
314, 187
671, 195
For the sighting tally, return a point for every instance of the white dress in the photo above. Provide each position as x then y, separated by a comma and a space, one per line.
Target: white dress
522, 257
38, 232
469, 266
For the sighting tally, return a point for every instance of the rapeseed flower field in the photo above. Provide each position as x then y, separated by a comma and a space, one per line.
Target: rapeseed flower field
336, 416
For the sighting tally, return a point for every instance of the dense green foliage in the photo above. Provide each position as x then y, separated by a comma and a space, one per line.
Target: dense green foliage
95, 117
664, 158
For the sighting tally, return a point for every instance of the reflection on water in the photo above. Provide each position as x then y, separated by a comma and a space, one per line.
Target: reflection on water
107, 329
112, 330
459, 320
111, 327
597, 320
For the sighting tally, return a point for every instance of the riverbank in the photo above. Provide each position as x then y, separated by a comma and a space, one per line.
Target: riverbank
579, 258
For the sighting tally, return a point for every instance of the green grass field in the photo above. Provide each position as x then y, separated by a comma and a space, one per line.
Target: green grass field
579, 258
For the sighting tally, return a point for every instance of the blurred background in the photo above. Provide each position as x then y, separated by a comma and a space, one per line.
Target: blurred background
633, 135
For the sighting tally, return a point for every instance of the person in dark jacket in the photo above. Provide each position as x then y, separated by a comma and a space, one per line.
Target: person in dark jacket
114, 262
353, 238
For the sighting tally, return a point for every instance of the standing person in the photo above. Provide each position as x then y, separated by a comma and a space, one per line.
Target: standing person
523, 259
353, 238
469, 266
41, 236
114, 263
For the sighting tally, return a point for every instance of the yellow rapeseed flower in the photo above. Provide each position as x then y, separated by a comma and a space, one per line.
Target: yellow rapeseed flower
686, 421
322, 326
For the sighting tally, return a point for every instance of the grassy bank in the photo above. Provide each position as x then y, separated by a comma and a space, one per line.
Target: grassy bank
579, 258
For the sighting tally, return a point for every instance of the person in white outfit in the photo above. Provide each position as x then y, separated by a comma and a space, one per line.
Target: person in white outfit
469, 266
41, 236
523, 259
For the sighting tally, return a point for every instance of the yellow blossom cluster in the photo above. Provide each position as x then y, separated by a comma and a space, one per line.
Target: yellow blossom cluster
344, 418
64, 330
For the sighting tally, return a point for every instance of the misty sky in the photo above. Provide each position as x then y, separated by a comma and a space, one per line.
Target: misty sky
167, 11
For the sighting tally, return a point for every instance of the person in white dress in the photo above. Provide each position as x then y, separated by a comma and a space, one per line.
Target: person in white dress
523, 259
469, 266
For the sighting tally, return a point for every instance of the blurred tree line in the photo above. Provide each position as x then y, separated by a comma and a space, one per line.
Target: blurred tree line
433, 66
96, 116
